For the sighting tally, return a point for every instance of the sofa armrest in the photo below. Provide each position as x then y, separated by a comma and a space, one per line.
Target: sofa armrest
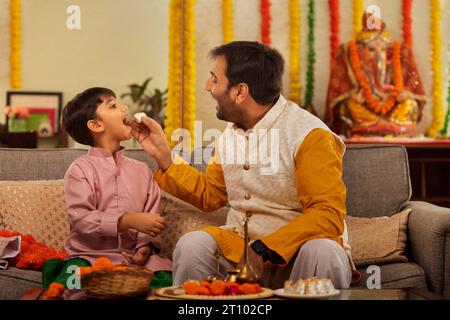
429, 236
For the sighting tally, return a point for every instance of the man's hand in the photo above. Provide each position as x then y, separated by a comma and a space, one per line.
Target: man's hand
151, 137
140, 257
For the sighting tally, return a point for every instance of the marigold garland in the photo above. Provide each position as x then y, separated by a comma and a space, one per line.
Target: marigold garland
311, 56
33, 255
294, 51
180, 110
227, 21
265, 22
333, 6
358, 11
372, 101
436, 67
407, 22
15, 43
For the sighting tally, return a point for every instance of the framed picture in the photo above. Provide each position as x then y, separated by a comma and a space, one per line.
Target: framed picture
44, 110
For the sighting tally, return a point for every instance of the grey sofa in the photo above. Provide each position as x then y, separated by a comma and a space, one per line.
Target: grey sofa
378, 184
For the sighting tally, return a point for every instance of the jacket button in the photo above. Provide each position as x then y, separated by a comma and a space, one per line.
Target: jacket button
246, 166
247, 196
248, 213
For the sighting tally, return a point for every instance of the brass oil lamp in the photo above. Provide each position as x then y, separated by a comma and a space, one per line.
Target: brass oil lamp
246, 274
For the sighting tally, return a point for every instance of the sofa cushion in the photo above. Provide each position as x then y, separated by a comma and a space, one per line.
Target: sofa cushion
181, 217
35, 207
14, 282
378, 240
396, 275
376, 176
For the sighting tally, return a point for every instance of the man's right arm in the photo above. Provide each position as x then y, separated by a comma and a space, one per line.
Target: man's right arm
204, 191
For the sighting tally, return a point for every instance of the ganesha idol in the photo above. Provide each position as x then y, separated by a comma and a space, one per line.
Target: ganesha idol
375, 88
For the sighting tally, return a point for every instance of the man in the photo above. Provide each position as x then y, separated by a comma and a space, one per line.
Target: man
296, 203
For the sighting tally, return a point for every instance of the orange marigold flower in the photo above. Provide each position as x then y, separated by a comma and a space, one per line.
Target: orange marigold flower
249, 288
201, 290
55, 290
189, 286
103, 262
218, 287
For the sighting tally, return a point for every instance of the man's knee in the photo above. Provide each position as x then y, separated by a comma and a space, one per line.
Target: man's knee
193, 244
321, 249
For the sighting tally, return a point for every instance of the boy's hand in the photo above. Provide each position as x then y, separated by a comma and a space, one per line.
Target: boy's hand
140, 257
149, 223
151, 137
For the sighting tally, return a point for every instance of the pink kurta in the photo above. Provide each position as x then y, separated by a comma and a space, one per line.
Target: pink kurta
97, 191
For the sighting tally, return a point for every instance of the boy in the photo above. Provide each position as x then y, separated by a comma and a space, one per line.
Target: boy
113, 201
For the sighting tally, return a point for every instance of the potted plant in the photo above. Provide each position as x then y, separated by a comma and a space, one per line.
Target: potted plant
152, 102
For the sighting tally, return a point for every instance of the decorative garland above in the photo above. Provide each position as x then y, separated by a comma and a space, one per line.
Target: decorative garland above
333, 5
294, 51
358, 11
15, 43
265, 22
180, 110
407, 22
436, 67
227, 21
309, 94
444, 130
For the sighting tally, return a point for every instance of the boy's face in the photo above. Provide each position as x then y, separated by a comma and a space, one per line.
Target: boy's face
112, 116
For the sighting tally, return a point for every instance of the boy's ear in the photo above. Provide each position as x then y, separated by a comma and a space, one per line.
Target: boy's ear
95, 126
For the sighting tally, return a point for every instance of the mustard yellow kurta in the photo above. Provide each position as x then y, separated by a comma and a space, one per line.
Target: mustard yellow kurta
320, 190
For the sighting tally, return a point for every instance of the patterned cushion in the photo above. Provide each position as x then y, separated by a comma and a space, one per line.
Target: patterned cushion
35, 207
378, 240
182, 217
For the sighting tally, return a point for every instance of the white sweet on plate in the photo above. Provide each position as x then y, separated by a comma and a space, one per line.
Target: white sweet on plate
138, 116
310, 286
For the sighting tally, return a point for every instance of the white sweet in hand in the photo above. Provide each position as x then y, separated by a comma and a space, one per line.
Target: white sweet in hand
138, 116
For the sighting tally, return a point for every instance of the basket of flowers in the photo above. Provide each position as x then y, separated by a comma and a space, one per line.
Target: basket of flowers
104, 280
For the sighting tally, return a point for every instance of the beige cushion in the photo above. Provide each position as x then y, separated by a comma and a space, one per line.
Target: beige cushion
182, 217
378, 240
35, 207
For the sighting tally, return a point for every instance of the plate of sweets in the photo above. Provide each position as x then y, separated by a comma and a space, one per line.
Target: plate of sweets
215, 290
311, 288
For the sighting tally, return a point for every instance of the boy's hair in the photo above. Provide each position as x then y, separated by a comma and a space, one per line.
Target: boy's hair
255, 64
80, 110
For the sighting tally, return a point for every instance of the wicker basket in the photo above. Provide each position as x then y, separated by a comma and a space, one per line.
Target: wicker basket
116, 284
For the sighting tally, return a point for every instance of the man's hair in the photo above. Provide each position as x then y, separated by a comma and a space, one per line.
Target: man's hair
255, 64
80, 110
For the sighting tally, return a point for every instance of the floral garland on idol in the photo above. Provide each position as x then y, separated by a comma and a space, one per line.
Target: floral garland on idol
333, 5
180, 110
265, 22
436, 66
227, 21
372, 100
294, 51
309, 94
407, 22
15, 43
358, 11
